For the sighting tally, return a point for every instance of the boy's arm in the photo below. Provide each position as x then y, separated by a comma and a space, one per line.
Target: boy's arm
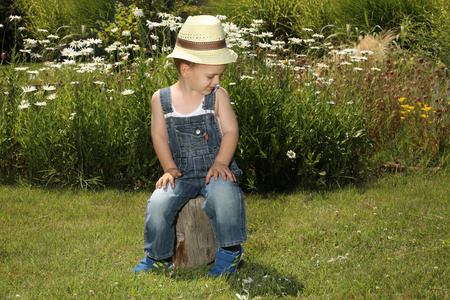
230, 131
160, 140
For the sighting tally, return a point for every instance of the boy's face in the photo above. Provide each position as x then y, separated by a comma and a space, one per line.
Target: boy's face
204, 78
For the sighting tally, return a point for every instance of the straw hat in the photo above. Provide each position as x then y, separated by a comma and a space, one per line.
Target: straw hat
202, 40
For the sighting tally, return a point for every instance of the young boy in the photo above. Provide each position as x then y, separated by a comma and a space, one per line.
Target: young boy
195, 134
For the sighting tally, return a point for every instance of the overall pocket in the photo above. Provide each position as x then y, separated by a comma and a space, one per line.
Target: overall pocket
191, 136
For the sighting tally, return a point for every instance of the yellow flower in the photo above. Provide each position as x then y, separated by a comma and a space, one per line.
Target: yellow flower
404, 112
411, 107
418, 103
426, 108
424, 116
402, 118
401, 99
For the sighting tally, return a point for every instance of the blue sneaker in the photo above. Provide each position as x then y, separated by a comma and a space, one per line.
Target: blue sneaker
226, 262
151, 264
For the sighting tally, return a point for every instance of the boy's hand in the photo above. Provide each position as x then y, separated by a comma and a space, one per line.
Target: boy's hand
169, 176
220, 169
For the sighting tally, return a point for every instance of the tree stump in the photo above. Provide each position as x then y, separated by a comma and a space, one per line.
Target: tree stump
196, 244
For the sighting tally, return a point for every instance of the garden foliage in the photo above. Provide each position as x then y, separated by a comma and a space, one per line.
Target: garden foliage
312, 113
422, 26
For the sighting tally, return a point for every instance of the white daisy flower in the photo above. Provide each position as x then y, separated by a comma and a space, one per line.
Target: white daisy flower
76, 44
127, 92
28, 89
48, 87
295, 40
291, 154
12, 18
52, 97
70, 52
138, 13
368, 52
24, 104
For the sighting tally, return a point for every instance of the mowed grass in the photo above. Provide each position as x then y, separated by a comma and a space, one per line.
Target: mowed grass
388, 239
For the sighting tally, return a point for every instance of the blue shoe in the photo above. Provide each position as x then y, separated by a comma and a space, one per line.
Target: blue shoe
151, 264
226, 262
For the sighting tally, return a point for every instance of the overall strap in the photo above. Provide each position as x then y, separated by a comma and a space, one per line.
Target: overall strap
166, 100
208, 103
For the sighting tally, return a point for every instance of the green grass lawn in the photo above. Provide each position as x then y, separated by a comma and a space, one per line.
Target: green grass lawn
388, 239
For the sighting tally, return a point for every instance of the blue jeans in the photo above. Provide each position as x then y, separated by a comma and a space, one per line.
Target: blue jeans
224, 205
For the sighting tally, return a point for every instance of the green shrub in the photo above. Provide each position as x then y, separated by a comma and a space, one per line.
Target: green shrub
282, 18
92, 130
63, 17
291, 136
310, 114
434, 40
382, 13
419, 25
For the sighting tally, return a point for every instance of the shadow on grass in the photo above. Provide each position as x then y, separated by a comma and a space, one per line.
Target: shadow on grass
262, 280
251, 280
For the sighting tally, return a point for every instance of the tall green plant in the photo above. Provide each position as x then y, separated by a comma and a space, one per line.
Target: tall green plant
54, 14
434, 40
282, 18
292, 136
9, 95
306, 110
383, 13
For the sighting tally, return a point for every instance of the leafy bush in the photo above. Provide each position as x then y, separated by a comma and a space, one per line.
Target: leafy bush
421, 26
86, 132
291, 136
63, 17
434, 40
309, 112
124, 19
6, 10
382, 13
282, 18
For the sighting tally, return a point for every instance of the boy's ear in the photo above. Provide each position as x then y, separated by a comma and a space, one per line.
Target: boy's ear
185, 70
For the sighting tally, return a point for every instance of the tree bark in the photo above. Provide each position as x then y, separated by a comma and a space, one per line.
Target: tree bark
196, 244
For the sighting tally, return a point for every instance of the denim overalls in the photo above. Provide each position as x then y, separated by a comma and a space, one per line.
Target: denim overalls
195, 143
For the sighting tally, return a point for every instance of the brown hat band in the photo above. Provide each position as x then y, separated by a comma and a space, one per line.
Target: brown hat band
201, 45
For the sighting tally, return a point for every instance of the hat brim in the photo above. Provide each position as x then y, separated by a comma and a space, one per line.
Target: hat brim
221, 56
